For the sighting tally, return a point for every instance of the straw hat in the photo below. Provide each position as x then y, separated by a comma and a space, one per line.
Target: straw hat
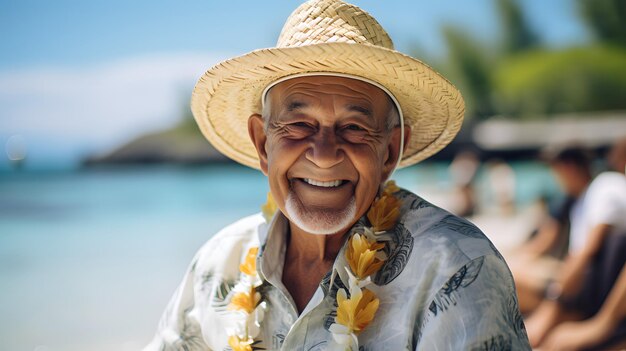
330, 37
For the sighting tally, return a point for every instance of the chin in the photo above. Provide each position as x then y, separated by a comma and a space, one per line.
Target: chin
319, 221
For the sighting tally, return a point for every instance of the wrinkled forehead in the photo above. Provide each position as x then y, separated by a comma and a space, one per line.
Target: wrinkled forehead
318, 88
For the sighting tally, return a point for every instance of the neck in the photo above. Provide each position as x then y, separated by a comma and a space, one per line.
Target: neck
312, 248
582, 186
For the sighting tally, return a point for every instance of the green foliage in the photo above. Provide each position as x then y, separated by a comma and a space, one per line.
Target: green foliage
516, 33
606, 19
544, 82
468, 68
470, 62
518, 78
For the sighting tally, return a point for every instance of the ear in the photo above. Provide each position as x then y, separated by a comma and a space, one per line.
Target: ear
393, 149
256, 130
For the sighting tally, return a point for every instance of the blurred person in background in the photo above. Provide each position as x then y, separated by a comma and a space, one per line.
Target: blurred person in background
585, 305
501, 185
616, 158
463, 171
537, 262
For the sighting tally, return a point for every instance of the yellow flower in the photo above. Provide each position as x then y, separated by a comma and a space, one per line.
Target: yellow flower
361, 256
384, 213
249, 264
269, 208
390, 187
358, 311
238, 344
245, 301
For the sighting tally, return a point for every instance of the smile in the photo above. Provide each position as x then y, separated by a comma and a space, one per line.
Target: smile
330, 184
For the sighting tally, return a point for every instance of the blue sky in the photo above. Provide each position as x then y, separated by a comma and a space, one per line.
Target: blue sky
78, 77
78, 32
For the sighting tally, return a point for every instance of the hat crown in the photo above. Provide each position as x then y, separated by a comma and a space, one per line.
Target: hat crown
332, 21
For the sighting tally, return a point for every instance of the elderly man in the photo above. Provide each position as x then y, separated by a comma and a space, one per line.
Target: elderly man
340, 259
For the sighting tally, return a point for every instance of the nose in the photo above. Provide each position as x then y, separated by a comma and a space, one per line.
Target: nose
325, 151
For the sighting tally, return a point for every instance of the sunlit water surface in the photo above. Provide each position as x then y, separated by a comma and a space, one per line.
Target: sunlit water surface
89, 258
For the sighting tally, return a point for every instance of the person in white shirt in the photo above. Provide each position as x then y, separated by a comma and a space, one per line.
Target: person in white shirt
538, 261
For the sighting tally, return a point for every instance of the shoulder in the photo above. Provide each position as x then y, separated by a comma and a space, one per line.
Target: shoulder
435, 229
430, 246
609, 178
605, 200
608, 190
607, 183
222, 253
481, 294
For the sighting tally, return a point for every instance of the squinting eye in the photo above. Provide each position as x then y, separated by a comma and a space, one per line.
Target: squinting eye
354, 127
300, 128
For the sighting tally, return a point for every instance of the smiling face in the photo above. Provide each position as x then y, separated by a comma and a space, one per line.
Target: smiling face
326, 149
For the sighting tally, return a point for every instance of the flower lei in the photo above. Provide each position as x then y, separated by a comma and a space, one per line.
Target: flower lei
365, 256
246, 303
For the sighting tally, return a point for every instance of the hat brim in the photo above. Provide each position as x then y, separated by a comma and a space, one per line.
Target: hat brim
228, 93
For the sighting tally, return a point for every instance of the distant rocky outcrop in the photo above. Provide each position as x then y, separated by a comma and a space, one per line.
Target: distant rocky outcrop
183, 144
497, 137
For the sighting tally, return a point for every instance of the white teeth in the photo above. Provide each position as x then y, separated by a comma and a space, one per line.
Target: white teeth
330, 184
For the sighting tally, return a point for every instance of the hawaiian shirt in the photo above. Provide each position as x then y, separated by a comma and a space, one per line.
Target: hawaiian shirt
444, 286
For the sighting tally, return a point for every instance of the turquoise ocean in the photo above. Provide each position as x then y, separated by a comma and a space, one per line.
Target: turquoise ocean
90, 257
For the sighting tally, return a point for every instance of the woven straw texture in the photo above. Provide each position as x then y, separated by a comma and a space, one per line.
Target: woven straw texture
334, 37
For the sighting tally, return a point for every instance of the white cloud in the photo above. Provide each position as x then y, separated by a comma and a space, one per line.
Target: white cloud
96, 107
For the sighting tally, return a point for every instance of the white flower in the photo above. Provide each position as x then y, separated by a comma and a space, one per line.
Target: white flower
236, 325
369, 234
259, 312
243, 285
251, 280
343, 339
355, 282
255, 318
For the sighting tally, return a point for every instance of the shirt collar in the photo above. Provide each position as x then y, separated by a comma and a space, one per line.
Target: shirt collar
271, 258
273, 241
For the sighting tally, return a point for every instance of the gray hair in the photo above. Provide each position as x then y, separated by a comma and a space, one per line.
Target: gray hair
393, 116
